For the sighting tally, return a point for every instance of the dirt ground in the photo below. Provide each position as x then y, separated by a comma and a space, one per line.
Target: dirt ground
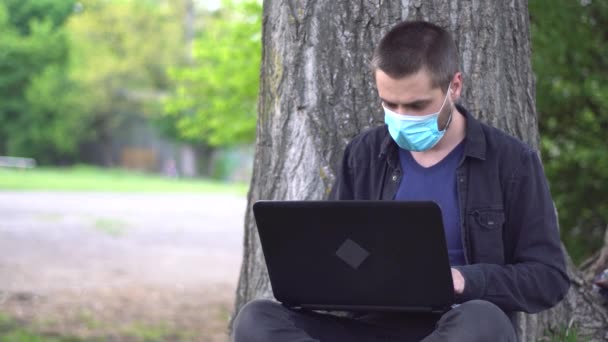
120, 267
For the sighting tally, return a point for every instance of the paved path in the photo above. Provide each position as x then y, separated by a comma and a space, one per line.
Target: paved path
52, 242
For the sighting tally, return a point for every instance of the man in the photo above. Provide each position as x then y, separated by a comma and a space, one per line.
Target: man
499, 219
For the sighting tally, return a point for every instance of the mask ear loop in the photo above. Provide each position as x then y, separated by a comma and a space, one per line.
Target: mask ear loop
447, 124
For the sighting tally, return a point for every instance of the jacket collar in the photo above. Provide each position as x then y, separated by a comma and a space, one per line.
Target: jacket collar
474, 141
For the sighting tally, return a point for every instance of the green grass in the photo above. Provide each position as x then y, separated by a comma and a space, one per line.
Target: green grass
111, 227
147, 333
566, 335
89, 320
87, 178
11, 331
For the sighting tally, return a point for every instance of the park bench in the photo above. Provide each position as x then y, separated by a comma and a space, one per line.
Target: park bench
17, 162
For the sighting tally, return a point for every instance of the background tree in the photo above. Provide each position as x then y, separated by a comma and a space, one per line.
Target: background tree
72, 72
121, 53
215, 97
570, 59
316, 94
41, 112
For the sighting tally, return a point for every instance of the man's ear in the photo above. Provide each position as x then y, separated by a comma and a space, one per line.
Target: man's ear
456, 89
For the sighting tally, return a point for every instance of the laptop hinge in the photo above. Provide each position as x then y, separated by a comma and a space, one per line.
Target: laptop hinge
368, 308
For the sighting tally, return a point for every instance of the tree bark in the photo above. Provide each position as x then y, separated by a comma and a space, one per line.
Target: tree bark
317, 93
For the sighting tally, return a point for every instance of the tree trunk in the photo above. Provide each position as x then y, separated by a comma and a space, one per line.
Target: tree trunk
317, 93
189, 30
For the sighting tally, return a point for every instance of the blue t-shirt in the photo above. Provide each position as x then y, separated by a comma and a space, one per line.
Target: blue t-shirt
436, 183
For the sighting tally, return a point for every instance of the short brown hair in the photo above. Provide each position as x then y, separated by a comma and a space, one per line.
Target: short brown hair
411, 46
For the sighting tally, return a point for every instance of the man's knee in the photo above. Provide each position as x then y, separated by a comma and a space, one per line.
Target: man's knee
482, 308
488, 318
252, 320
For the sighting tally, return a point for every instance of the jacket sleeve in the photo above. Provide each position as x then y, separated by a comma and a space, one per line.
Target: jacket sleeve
343, 185
536, 279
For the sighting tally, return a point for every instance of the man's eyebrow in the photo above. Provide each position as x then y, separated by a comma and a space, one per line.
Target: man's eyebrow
416, 103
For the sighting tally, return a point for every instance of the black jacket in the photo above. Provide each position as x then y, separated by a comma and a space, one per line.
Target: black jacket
508, 223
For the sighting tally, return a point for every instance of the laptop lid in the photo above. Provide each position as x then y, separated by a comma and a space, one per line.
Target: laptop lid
356, 255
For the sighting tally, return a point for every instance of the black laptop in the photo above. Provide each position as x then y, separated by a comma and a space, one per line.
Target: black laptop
356, 255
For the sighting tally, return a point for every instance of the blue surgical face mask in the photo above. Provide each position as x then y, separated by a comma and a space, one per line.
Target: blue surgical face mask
414, 132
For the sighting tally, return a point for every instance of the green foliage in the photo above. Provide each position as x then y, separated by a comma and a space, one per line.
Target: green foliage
121, 50
570, 58
56, 115
215, 99
41, 115
23, 12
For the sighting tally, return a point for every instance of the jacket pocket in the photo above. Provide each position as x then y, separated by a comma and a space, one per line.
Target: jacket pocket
486, 229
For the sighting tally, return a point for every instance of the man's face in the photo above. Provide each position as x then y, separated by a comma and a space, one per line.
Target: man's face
413, 95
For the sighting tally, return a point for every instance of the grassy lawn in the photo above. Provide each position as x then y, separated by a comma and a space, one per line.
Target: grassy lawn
11, 331
87, 178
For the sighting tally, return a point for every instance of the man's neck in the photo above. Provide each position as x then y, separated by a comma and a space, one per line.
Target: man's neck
452, 137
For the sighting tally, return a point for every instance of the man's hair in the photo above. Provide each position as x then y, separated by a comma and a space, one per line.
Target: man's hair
411, 46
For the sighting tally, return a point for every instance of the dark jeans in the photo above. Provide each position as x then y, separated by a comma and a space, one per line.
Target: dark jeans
267, 321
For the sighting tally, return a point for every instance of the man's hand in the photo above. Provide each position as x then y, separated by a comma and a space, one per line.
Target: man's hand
458, 281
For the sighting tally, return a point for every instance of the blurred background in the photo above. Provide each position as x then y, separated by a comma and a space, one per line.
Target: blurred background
126, 147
